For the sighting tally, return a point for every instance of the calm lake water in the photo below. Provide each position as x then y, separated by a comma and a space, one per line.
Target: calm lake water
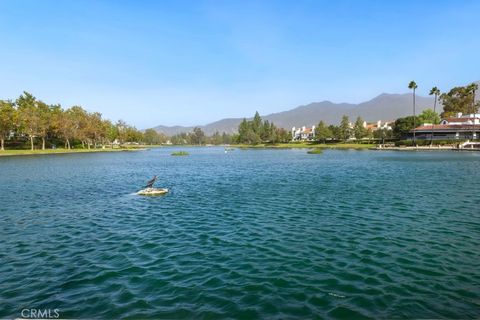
248, 234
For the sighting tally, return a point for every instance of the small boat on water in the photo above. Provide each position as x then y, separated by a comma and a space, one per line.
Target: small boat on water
152, 191
149, 190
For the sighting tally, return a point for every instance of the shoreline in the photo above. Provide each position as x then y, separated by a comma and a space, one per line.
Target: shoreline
426, 148
340, 146
36, 152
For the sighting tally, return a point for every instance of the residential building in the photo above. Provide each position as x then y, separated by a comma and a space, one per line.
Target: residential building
386, 125
303, 134
461, 127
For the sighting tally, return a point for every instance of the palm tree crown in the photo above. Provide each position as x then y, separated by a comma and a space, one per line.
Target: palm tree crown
412, 85
435, 91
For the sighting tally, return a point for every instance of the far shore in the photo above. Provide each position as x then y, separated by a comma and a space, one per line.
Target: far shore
10, 153
278, 146
424, 148
305, 145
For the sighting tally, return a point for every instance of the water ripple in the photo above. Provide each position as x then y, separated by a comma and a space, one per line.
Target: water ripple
248, 234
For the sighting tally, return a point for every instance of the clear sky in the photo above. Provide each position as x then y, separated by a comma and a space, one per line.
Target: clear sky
193, 62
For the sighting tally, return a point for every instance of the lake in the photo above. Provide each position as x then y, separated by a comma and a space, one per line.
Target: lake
247, 234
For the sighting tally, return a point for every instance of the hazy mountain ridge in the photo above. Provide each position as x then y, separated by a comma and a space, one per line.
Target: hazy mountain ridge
386, 106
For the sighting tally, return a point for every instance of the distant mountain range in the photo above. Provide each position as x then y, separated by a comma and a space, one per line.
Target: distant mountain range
383, 107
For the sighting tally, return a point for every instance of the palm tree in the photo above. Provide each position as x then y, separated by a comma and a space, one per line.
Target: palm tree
413, 85
473, 87
436, 92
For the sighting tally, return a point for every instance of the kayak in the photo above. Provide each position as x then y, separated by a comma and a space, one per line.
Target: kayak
152, 191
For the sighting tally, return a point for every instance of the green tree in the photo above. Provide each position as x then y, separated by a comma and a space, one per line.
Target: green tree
265, 133
282, 135
111, 131
151, 137
45, 121
413, 86
344, 129
403, 126
322, 132
257, 124
79, 118
7, 121
133, 134
428, 116
254, 131
29, 116
459, 99
226, 138
197, 136
179, 139
253, 137
435, 92
242, 131
382, 134
216, 138
335, 130
62, 124
472, 88
93, 129
359, 130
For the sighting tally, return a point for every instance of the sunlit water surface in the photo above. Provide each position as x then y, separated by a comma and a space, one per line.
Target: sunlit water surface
247, 234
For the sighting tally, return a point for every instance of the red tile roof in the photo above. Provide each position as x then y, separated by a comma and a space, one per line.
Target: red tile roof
449, 127
459, 119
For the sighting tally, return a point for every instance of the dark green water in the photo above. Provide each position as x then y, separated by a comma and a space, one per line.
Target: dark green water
248, 234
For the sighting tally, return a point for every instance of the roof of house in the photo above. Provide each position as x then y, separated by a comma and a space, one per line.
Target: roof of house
458, 119
447, 127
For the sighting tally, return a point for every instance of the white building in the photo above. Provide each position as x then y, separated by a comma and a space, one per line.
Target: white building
472, 118
303, 134
386, 125
461, 127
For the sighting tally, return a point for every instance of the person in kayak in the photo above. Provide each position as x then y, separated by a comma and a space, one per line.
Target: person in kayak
151, 182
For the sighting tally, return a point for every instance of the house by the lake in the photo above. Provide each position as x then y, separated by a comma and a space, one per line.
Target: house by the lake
379, 125
303, 134
460, 127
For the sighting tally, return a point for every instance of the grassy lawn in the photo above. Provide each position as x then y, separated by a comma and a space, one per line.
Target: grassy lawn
309, 146
60, 151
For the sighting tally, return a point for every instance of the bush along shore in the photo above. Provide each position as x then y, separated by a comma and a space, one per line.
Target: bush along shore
307, 145
9, 153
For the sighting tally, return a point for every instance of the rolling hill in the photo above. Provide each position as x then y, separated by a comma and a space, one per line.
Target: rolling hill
383, 107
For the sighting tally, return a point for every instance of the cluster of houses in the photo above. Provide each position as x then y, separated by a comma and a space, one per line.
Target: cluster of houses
303, 134
460, 127
308, 133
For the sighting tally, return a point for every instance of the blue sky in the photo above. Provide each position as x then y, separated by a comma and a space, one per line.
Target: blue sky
193, 62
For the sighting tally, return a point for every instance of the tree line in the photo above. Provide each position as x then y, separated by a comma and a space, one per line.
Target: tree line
257, 131
30, 119
253, 132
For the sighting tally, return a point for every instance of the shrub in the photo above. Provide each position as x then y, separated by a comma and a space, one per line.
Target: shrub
180, 153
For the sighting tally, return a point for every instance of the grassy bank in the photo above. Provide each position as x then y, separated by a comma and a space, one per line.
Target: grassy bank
61, 151
355, 146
